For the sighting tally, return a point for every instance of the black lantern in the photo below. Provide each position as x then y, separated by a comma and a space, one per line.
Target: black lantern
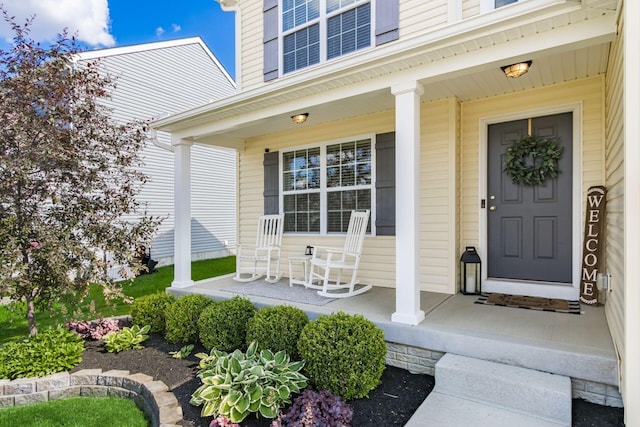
470, 272
309, 251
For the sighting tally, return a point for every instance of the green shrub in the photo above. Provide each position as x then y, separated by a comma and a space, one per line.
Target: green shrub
150, 309
223, 325
277, 328
344, 354
126, 339
51, 351
237, 384
182, 318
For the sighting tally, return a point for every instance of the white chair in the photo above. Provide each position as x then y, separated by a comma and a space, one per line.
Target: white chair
326, 261
260, 259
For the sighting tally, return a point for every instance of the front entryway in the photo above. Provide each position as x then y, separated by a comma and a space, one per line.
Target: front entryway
529, 228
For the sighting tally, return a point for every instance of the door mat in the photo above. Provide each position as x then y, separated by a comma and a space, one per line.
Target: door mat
281, 291
531, 303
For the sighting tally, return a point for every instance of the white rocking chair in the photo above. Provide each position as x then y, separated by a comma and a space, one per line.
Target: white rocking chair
325, 259
259, 260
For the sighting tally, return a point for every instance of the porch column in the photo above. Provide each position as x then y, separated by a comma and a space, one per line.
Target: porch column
182, 213
408, 203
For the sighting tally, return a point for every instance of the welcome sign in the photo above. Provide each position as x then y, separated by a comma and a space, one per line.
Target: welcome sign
593, 229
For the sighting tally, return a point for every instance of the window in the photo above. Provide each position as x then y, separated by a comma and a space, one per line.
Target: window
321, 185
317, 30
489, 5
500, 3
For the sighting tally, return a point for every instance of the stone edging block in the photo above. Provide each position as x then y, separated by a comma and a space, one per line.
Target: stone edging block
152, 397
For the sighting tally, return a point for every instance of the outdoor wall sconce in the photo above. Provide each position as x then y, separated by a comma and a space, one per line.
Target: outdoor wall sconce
516, 70
300, 118
470, 272
309, 251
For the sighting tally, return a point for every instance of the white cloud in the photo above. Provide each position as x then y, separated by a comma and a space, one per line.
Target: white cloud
89, 19
159, 31
176, 28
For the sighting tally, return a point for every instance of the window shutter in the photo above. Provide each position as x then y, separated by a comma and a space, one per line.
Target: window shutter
270, 39
386, 184
271, 183
387, 17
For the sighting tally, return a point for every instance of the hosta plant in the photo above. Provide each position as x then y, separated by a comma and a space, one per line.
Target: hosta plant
183, 353
126, 339
237, 384
51, 351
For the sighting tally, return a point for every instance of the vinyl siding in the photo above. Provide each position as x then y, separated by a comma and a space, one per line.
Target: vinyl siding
438, 258
614, 162
420, 16
251, 58
588, 92
470, 8
158, 81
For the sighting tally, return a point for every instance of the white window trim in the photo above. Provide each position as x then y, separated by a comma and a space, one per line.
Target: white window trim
322, 21
323, 181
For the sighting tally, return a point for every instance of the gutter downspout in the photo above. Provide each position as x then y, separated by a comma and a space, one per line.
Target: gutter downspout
157, 143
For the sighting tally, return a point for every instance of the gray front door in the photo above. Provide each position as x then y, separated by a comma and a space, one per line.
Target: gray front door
530, 227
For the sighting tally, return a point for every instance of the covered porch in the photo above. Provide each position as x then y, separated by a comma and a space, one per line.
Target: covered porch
577, 346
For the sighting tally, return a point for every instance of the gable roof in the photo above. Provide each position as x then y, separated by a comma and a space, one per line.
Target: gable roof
144, 47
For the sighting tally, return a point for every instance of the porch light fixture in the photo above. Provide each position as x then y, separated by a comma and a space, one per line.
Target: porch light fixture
516, 70
470, 272
300, 118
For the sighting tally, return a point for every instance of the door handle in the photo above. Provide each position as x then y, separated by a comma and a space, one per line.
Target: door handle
493, 208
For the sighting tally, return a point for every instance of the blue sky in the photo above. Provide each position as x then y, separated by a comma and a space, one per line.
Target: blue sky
109, 23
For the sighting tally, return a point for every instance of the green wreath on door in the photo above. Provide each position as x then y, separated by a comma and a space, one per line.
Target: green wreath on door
532, 160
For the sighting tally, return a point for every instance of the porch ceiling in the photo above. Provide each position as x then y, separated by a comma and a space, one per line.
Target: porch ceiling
470, 85
565, 42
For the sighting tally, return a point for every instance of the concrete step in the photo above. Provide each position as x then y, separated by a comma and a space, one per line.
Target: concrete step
481, 393
441, 410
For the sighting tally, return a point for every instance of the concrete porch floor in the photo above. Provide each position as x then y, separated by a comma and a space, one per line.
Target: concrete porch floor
578, 346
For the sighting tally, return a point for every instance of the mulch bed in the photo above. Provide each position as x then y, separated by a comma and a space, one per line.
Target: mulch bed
391, 404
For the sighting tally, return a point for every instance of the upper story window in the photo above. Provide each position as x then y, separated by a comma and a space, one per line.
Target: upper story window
488, 5
314, 31
321, 185
301, 33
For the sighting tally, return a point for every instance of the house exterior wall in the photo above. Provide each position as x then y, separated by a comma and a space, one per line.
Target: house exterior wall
470, 8
588, 92
251, 54
614, 161
439, 137
449, 205
157, 81
420, 16
439, 142
415, 17
378, 262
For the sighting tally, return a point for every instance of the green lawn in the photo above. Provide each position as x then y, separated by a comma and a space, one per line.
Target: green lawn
13, 323
77, 412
